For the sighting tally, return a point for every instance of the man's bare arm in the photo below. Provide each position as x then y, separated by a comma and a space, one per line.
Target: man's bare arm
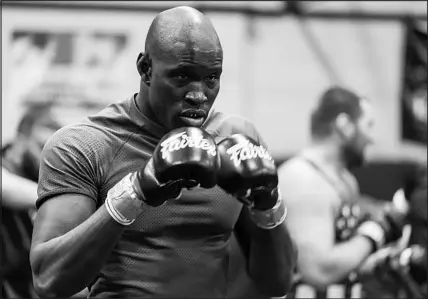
18, 193
322, 262
71, 242
311, 221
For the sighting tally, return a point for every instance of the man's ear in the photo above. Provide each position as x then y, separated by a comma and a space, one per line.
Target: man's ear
344, 125
144, 67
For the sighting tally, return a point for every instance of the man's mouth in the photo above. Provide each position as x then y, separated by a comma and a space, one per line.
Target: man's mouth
193, 118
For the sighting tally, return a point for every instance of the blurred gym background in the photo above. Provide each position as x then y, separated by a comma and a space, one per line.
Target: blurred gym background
279, 56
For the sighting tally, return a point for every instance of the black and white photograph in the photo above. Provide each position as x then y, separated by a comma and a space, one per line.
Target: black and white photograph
214, 149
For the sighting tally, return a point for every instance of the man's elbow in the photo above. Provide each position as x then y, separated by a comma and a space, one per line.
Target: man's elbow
48, 287
44, 281
44, 285
319, 282
44, 289
274, 286
318, 276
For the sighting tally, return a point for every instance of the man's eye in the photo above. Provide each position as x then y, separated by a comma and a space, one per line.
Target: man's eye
213, 77
181, 77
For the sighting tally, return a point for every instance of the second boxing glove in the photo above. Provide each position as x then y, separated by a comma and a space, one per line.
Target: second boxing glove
248, 172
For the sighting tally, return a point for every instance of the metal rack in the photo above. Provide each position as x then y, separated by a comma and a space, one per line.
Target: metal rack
284, 8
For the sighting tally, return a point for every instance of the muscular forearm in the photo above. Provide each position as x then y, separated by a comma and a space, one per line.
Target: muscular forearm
272, 260
346, 257
338, 263
65, 265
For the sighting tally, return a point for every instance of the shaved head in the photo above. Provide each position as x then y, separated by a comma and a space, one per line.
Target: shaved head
180, 69
184, 26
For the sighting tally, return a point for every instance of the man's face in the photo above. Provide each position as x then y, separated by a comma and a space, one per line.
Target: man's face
185, 84
354, 148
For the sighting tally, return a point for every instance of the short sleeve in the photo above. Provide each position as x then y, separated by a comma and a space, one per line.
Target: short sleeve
234, 124
251, 131
68, 165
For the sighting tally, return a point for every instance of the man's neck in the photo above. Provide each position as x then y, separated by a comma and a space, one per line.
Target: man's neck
328, 153
139, 101
143, 105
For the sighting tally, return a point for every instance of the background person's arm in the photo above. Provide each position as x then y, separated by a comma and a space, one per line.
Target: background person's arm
18, 193
311, 220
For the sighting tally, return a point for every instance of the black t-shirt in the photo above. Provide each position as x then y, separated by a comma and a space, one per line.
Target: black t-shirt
181, 249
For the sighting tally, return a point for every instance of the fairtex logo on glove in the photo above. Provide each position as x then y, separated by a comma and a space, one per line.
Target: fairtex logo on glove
247, 150
182, 140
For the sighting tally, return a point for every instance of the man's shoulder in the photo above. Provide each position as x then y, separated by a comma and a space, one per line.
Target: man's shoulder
297, 168
115, 114
299, 179
234, 119
80, 130
226, 124
80, 139
108, 125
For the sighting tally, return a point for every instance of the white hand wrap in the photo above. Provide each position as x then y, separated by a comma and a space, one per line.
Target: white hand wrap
269, 219
122, 203
374, 231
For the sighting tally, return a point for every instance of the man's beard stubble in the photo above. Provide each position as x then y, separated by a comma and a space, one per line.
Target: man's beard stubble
352, 157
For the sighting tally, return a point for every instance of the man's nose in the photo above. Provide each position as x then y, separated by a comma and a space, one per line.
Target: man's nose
195, 98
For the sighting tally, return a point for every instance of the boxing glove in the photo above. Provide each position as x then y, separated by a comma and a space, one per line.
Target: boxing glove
248, 172
184, 158
385, 224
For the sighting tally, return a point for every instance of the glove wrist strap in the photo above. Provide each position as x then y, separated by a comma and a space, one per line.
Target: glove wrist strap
122, 202
269, 219
373, 231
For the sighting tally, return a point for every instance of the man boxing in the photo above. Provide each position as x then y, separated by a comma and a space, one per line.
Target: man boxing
141, 199
325, 216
